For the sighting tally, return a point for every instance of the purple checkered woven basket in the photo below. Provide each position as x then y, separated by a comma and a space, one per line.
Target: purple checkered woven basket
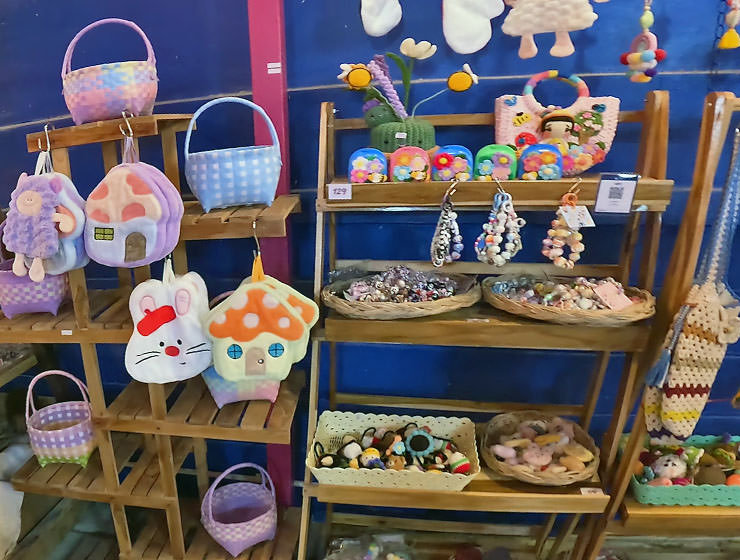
241, 514
61, 432
103, 91
20, 294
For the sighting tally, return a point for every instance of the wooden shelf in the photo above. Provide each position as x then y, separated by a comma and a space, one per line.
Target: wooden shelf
236, 222
140, 486
644, 519
195, 414
152, 542
652, 194
487, 492
106, 131
18, 366
482, 325
110, 323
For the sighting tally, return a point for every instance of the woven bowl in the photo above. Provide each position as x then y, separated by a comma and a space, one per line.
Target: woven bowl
506, 424
586, 317
332, 297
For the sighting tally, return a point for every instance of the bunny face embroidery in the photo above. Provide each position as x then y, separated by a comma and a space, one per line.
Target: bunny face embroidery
168, 343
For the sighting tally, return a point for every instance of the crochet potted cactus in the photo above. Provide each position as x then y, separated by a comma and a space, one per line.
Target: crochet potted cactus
391, 125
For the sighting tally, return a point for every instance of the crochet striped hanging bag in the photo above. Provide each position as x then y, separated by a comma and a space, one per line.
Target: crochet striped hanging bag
680, 382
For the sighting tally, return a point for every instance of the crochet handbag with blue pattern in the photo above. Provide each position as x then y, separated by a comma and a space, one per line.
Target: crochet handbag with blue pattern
233, 176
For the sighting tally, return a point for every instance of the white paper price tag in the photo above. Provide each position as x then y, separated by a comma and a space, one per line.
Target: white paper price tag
577, 217
66, 332
592, 491
616, 193
401, 135
340, 191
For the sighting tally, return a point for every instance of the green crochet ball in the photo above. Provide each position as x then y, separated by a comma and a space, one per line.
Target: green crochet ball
418, 133
380, 114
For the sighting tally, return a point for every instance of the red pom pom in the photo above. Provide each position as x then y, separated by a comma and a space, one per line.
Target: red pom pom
660, 54
623, 58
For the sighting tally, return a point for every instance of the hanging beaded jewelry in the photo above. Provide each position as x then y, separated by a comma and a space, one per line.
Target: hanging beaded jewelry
562, 234
447, 242
502, 223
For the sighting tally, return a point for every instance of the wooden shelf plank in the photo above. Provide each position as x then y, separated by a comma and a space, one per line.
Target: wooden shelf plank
195, 414
152, 542
105, 131
653, 194
72, 481
483, 326
644, 519
486, 492
236, 222
13, 368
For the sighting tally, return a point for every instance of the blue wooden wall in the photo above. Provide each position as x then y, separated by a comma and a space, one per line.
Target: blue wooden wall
203, 52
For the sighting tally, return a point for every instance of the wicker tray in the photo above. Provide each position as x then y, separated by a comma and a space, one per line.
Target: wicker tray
334, 425
596, 318
505, 424
469, 295
692, 495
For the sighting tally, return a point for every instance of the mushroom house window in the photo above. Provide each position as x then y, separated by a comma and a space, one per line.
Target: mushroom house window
234, 351
276, 350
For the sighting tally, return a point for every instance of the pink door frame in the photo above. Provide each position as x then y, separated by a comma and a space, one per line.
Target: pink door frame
270, 91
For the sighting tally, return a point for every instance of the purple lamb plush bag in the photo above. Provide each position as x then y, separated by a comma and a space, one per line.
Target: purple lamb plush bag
19, 294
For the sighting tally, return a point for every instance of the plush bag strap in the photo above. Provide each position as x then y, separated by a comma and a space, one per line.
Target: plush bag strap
31, 409
67, 64
43, 163
573, 80
253, 106
209, 493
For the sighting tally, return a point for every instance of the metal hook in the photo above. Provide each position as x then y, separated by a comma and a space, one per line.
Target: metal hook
128, 125
256, 239
450, 190
48, 141
574, 188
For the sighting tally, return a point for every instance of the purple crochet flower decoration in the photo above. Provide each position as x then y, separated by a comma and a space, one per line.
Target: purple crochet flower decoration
378, 70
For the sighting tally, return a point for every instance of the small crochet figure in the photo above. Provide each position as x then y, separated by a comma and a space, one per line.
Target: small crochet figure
30, 229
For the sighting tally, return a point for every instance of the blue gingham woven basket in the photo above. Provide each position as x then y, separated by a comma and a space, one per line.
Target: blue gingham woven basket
233, 176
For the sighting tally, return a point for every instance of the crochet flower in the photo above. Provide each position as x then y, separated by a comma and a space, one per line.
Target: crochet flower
584, 161
525, 139
548, 157
460, 164
356, 76
568, 163
375, 166
418, 51
402, 173
404, 159
502, 159
485, 167
599, 156
532, 163
358, 176
361, 163
443, 159
501, 173
445, 174
550, 171
418, 163
575, 150
462, 80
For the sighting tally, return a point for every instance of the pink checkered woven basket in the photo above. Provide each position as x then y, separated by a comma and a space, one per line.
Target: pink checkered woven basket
61, 432
101, 92
241, 514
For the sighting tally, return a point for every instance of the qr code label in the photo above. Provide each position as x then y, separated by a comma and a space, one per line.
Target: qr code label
616, 192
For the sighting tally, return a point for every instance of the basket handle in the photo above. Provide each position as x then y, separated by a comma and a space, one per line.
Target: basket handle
218, 101
209, 493
30, 409
67, 64
572, 80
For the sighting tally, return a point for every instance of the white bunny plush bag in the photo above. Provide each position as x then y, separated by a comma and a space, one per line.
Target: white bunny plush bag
168, 343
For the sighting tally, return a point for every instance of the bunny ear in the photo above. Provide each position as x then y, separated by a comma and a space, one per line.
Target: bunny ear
182, 301
147, 304
56, 184
21, 179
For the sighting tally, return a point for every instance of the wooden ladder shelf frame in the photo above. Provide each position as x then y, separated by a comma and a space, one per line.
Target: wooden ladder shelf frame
719, 110
654, 192
151, 481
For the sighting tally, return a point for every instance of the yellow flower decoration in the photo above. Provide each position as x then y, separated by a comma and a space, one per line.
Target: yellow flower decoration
462, 80
404, 159
356, 76
548, 157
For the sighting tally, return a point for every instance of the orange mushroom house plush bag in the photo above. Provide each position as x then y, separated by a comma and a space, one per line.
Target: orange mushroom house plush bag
257, 334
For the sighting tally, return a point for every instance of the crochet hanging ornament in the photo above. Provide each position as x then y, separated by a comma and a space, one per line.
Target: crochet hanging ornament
731, 39
644, 54
528, 18
467, 23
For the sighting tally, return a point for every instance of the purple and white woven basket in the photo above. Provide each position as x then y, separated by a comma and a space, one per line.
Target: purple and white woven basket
241, 514
61, 432
103, 91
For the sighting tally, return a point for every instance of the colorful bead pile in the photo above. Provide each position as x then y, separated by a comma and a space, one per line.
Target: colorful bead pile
538, 445
578, 294
409, 448
401, 284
